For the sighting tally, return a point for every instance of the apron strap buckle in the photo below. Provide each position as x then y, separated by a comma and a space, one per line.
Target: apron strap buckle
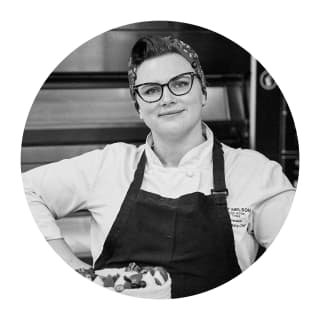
220, 192
220, 196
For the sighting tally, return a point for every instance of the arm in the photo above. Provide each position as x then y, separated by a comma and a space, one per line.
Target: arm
65, 252
58, 189
274, 201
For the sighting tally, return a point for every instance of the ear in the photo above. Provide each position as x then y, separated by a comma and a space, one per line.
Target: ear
203, 100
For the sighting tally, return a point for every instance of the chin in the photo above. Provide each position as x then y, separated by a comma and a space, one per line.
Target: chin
173, 129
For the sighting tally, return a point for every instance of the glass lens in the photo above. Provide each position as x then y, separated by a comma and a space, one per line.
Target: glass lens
150, 92
181, 84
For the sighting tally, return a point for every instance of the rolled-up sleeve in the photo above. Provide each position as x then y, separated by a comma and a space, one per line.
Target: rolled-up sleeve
55, 190
275, 197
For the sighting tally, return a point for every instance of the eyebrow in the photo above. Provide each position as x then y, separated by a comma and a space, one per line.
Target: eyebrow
155, 82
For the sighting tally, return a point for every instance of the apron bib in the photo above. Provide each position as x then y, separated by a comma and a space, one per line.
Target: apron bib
190, 236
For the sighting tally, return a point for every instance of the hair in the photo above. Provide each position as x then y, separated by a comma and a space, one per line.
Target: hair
150, 47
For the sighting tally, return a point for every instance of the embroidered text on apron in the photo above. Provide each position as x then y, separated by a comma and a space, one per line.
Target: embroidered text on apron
190, 236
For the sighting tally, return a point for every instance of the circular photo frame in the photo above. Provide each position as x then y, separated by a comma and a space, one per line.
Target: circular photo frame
160, 160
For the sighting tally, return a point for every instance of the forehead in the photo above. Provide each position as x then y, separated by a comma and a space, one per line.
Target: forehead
163, 68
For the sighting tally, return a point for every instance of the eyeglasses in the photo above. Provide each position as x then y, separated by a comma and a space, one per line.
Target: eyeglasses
153, 92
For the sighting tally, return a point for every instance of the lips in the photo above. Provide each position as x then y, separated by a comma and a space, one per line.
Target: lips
171, 112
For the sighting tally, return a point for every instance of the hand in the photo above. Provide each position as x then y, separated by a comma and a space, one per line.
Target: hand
87, 273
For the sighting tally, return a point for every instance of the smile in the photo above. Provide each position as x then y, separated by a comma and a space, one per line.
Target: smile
170, 113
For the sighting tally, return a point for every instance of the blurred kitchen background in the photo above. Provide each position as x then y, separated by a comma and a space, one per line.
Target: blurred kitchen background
85, 103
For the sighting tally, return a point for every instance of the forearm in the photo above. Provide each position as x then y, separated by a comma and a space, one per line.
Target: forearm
271, 216
64, 251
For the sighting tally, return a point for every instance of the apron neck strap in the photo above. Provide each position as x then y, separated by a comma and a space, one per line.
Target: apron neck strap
138, 175
219, 190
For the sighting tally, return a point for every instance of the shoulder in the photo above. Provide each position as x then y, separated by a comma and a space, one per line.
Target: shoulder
246, 158
92, 162
122, 154
253, 168
121, 149
114, 152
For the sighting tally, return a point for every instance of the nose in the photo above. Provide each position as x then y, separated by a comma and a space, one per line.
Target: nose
168, 97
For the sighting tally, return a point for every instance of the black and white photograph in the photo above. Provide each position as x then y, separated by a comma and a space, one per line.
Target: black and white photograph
160, 160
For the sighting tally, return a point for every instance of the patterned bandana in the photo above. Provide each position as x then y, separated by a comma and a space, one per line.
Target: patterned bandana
179, 47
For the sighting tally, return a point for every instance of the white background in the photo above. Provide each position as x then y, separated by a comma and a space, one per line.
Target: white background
36, 36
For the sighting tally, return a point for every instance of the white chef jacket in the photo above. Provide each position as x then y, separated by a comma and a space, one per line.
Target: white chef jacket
259, 198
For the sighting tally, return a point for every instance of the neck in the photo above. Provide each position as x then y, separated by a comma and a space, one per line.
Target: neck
171, 150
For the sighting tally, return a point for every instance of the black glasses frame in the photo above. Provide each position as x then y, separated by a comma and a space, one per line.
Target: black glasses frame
193, 74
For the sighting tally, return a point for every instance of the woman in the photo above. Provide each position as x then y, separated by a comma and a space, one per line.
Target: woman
183, 200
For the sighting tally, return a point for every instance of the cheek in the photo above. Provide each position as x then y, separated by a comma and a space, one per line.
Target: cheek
146, 111
195, 102
197, 97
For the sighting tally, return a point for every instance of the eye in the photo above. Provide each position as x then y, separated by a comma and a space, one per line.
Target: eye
149, 90
181, 83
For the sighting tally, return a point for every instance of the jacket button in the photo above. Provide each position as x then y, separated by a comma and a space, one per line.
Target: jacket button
190, 173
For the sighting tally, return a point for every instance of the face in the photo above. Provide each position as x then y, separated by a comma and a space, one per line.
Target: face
172, 115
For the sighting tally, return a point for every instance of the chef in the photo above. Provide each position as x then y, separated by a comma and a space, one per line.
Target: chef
183, 200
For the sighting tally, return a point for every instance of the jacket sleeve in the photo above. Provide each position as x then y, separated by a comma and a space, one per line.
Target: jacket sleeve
275, 196
57, 189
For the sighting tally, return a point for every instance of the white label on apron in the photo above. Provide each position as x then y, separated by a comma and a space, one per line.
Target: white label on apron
240, 218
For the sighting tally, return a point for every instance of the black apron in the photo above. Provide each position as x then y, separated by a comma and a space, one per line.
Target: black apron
190, 236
